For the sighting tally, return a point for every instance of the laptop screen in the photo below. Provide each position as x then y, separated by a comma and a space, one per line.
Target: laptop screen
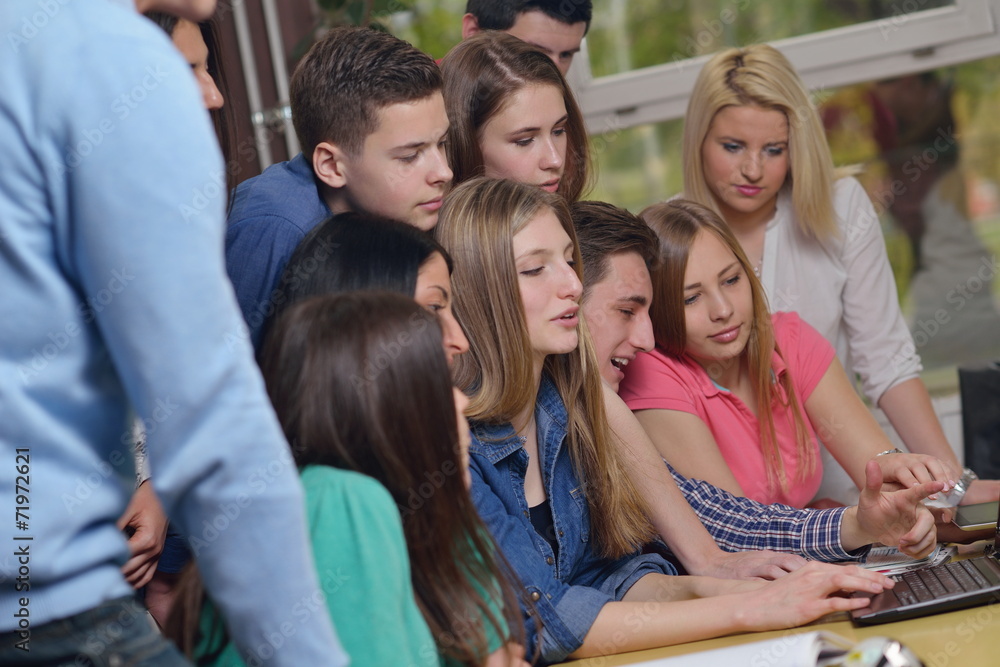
996, 535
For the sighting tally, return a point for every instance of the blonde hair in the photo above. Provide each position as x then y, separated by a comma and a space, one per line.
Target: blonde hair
677, 224
761, 76
477, 225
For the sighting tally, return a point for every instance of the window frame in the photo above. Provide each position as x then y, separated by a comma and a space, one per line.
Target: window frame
902, 44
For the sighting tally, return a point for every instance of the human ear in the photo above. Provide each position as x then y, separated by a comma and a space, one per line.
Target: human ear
329, 163
470, 26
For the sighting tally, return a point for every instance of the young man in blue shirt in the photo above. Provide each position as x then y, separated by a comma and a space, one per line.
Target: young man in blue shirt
370, 118
115, 301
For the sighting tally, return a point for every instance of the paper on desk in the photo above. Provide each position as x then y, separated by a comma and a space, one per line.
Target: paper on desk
822, 649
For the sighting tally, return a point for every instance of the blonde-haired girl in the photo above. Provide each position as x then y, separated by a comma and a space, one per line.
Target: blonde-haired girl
754, 152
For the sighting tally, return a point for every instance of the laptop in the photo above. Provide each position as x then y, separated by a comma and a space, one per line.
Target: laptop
938, 588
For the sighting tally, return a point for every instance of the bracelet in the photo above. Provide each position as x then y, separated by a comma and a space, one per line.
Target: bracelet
958, 492
894, 450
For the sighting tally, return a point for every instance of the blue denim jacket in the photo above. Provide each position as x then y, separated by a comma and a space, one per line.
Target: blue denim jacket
570, 591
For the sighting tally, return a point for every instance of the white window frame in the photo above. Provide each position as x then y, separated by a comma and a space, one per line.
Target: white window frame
902, 44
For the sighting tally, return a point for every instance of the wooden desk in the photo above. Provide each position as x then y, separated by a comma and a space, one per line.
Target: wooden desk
955, 639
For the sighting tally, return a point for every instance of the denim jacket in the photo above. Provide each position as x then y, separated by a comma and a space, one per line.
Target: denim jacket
568, 591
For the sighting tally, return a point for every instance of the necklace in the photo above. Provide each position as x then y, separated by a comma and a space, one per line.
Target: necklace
756, 267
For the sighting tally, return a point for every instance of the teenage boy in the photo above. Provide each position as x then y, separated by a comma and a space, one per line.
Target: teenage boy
115, 301
370, 118
617, 251
555, 27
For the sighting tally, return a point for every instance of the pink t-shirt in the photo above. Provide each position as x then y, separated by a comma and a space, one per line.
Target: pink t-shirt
656, 381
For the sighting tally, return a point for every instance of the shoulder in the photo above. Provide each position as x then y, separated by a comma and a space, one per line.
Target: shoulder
849, 197
73, 30
847, 186
350, 514
785, 323
799, 341
285, 195
103, 63
653, 377
657, 366
791, 329
345, 492
860, 227
492, 443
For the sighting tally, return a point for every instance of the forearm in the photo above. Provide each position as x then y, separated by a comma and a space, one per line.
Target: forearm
908, 407
741, 524
672, 517
635, 626
668, 588
670, 514
798, 598
844, 423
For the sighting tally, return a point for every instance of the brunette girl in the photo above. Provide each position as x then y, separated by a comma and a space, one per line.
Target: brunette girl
361, 384
359, 251
513, 116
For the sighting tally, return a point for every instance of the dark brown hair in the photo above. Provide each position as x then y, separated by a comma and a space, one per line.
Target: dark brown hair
359, 381
501, 14
350, 75
481, 75
353, 251
603, 230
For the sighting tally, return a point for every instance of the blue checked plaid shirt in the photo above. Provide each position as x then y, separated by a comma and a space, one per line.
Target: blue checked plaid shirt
741, 524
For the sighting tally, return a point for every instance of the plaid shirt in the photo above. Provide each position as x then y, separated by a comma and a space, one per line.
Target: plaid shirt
741, 524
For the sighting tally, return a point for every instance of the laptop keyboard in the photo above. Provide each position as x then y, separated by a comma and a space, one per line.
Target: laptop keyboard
934, 583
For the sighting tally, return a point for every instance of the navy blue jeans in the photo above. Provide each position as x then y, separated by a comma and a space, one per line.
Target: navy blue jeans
115, 634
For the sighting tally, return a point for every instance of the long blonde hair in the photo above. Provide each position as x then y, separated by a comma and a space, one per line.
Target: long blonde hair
676, 224
477, 225
761, 76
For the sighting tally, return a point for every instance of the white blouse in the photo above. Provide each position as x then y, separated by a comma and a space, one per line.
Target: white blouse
843, 287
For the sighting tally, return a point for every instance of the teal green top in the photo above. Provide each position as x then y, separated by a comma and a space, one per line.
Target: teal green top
364, 571
494, 641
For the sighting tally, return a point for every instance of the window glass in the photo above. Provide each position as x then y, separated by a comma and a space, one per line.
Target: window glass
433, 26
632, 34
929, 145
929, 148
